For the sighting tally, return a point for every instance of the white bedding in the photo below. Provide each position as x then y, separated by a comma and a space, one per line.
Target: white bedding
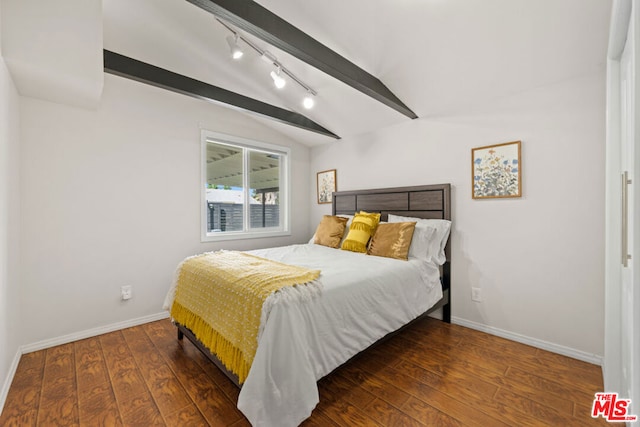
364, 298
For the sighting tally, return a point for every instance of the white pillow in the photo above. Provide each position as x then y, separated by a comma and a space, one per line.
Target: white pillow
430, 237
346, 230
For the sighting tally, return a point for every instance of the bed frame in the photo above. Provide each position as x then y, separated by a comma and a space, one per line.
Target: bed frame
425, 201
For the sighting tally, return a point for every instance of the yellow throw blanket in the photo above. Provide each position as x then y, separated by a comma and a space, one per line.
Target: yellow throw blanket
220, 296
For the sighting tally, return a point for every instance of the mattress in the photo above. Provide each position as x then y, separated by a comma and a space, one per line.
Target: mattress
363, 298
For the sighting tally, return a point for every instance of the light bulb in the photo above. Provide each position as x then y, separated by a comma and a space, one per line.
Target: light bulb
308, 102
236, 52
278, 81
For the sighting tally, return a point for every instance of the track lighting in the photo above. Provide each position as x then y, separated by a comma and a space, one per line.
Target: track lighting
278, 80
277, 75
236, 52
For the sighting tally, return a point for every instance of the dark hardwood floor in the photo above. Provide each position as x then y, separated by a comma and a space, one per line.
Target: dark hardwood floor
433, 374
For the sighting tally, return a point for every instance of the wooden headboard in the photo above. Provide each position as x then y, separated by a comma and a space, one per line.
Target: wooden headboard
424, 201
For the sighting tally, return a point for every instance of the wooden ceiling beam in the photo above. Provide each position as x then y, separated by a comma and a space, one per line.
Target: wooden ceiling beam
130, 68
251, 17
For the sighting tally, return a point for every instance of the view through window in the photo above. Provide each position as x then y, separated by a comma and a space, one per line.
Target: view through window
244, 188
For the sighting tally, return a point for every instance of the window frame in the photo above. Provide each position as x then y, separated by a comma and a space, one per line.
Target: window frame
284, 188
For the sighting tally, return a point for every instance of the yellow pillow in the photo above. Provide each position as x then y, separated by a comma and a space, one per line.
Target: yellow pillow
375, 217
392, 240
362, 228
330, 231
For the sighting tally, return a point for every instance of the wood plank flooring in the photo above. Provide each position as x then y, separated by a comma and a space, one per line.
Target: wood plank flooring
432, 374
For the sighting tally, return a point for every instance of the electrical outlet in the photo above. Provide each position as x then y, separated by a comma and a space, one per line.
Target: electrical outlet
476, 294
125, 292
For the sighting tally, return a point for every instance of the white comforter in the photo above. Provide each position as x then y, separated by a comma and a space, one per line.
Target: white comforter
363, 299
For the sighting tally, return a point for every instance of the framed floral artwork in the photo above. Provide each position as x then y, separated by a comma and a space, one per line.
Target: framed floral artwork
326, 185
496, 171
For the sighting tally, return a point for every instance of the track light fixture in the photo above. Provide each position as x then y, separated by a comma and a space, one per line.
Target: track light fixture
277, 74
278, 80
308, 102
236, 52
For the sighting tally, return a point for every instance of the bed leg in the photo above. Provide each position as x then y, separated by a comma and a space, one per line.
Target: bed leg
180, 335
446, 287
446, 312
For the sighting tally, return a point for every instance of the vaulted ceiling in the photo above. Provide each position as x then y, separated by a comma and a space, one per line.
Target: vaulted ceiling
439, 57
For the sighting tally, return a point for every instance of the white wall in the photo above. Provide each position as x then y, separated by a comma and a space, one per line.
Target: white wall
9, 222
54, 49
538, 259
112, 197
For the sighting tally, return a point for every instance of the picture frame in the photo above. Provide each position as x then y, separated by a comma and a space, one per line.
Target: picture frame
496, 171
326, 185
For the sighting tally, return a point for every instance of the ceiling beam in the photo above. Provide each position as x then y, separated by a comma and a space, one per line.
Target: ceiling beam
123, 66
249, 16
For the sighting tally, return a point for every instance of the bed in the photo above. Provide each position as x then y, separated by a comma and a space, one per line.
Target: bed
363, 300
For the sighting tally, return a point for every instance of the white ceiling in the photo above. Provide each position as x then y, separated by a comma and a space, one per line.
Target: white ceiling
439, 57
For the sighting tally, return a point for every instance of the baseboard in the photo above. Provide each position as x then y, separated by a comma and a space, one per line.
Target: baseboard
9, 379
41, 345
534, 342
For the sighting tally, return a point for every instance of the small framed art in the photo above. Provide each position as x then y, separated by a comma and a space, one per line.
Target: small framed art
326, 185
496, 171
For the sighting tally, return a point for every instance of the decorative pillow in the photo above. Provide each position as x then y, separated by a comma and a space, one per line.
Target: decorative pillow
362, 228
330, 231
429, 239
375, 217
346, 229
392, 240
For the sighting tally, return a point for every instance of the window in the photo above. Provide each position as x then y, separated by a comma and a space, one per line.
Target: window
246, 185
